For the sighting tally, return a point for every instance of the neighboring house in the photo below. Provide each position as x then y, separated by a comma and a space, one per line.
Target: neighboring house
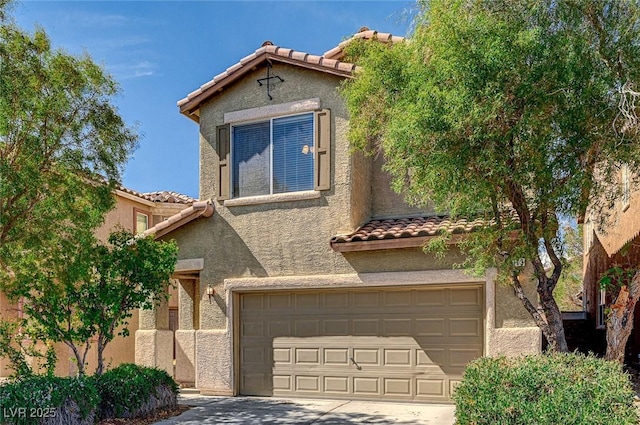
135, 212
303, 274
618, 244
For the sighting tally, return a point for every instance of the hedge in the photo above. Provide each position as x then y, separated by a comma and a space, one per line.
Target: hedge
545, 390
130, 391
125, 392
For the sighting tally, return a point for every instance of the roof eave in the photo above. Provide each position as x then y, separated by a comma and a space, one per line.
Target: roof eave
200, 209
395, 243
190, 105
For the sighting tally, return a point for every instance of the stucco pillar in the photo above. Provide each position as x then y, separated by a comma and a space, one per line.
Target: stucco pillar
185, 336
154, 339
214, 366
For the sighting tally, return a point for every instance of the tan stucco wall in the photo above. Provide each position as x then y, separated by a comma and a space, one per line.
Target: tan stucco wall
623, 224
385, 201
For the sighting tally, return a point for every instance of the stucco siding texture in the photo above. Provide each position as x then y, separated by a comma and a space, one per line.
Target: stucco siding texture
623, 224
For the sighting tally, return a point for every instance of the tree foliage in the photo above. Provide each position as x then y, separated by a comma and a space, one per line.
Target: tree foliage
518, 111
62, 144
89, 293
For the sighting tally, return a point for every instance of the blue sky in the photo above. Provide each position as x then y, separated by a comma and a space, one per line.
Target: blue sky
159, 51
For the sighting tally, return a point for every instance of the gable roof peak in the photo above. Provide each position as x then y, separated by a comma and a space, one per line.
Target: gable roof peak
331, 62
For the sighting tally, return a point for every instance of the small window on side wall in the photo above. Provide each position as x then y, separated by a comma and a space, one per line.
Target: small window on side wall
141, 221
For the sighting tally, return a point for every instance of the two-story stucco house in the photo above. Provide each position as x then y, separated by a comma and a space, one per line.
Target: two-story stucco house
301, 273
135, 212
616, 245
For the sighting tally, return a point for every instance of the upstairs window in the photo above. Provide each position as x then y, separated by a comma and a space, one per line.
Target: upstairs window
142, 221
271, 157
278, 155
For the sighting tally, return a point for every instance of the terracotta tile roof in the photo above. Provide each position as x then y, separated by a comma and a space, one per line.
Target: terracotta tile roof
198, 209
169, 197
329, 62
401, 232
160, 196
364, 34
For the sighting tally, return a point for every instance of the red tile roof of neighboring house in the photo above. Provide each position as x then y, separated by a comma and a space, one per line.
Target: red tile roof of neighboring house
169, 197
198, 209
401, 232
329, 62
160, 196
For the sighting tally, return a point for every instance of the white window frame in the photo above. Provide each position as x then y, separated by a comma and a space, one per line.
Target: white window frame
137, 213
270, 121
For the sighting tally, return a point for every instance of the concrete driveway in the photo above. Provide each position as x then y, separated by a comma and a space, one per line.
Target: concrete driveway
258, 410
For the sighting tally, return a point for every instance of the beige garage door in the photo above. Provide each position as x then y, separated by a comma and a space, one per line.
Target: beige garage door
395, 343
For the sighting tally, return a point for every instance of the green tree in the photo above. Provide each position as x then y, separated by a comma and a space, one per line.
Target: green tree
504, 109
568, 291
84, 293
62, 144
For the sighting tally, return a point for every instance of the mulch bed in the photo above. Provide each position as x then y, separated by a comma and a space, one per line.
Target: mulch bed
157, 416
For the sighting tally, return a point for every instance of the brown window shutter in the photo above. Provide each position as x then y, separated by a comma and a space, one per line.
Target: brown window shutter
322, 171
224, 165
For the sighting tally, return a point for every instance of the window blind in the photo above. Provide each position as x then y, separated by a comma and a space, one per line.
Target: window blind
293, 153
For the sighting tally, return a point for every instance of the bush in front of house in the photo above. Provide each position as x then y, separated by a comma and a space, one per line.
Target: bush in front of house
131, 391
50, 400
545, 390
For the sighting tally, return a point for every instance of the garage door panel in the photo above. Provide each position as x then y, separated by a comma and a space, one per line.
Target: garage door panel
282, 356
278, 328
307, 383
429, 388
397, 387
397, 327
336, 356
401, 344
252, 302
307, 356
279, 301
398, 357
338, 327
466, 297
430, 327
397, 298
336, 384
430, 298
337, 300
253, 329
366, 357
370, 327
282, 382
366, 385
461, 356
366, 299
307, 301
465, 327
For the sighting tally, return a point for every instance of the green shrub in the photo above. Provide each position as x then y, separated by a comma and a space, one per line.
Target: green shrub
130, 391
546, 389
49, 400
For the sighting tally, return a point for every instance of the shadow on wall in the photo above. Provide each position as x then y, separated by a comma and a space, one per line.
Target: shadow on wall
224, 251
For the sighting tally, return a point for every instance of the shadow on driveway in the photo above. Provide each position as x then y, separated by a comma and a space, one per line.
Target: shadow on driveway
256, 410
